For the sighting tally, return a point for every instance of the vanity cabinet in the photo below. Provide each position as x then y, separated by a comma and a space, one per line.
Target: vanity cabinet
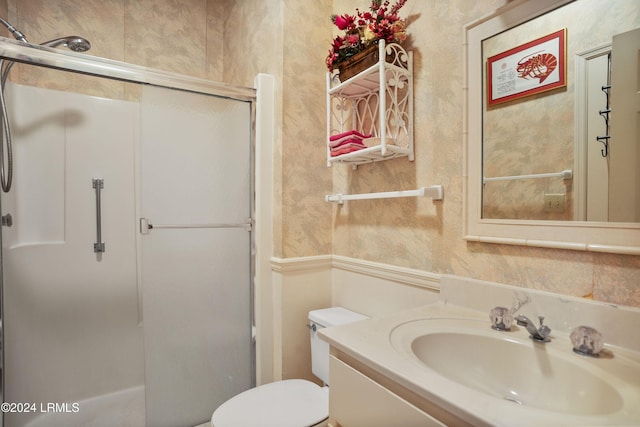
377, 103
357, 400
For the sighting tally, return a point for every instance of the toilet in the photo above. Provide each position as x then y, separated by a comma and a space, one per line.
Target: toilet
289, 403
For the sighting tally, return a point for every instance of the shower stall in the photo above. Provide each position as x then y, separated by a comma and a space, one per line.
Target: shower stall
128, 249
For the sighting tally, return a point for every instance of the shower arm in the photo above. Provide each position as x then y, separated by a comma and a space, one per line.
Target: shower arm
14, 31
74, 43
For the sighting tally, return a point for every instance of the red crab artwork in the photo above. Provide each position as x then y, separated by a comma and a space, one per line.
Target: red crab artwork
538, 66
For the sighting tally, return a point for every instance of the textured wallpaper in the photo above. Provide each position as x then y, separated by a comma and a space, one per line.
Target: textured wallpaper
233, 41
181, 36
427, 235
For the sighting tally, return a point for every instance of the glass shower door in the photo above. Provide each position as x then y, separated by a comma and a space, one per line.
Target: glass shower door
195, 192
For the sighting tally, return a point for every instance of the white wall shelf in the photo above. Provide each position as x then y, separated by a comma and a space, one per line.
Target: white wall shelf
378, 102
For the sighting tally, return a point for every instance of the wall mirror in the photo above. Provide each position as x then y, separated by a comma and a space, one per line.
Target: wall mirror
548, 159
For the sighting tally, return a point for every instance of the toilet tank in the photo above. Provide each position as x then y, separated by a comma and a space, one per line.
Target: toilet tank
325, 318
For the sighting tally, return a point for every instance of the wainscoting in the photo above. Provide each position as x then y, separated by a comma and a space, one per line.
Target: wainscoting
308, 283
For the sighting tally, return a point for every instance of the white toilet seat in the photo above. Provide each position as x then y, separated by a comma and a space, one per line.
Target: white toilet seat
288, 403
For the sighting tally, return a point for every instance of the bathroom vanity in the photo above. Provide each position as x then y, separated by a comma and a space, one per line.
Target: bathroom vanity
363, 396
443, 365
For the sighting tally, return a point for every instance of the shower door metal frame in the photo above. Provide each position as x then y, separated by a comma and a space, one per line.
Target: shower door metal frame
80, 63
86, 64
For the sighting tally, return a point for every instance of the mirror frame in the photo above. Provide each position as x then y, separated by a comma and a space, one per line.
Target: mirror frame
612, 237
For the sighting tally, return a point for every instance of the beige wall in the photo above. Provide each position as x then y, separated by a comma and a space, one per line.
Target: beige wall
4, 9
290, 40
180, 36
183, 37
427, 235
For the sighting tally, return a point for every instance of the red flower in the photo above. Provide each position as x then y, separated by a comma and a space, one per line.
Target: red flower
365, 28
353, 39
343, 22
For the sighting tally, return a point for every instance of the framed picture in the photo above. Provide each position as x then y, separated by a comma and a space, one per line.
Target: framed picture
530, 68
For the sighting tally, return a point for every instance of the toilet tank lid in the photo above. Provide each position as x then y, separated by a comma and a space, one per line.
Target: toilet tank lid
335, 316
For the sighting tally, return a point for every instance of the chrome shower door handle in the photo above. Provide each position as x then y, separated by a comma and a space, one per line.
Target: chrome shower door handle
98, 246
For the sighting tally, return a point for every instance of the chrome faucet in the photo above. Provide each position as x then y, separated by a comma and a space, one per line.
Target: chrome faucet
539, 334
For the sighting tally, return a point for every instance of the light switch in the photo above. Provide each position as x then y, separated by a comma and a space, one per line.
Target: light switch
553, 202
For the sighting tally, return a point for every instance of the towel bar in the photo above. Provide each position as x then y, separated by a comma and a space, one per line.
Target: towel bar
435, 192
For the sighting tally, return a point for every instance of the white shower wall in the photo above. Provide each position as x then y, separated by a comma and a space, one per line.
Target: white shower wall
71, 316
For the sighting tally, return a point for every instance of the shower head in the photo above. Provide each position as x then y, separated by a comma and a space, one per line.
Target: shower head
74, 43
14, 31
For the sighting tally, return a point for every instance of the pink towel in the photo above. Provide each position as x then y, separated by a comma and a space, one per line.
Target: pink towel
343, 141
348, 134
357, 145
347, 149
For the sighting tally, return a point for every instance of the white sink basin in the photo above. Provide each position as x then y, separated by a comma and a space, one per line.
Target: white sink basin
510, 366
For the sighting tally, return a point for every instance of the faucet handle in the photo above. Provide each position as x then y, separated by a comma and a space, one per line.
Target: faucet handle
586, 341
501, 318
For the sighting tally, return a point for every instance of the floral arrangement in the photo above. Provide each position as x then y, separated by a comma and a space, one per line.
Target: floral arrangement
365, 28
